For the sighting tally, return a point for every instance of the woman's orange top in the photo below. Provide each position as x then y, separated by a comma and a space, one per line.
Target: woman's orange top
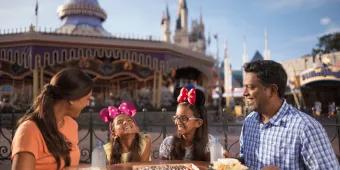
28, 138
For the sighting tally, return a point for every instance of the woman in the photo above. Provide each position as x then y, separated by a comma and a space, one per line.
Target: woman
191, 140
47, 136
127, 144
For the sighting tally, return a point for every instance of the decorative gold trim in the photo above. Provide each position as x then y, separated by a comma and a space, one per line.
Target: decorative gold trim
21, 77
81, 9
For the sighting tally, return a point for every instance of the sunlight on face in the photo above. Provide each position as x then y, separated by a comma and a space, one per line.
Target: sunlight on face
124, 124
254, 92
185, 120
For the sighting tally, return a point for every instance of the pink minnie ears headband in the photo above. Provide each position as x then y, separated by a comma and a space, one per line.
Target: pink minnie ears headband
109, 113
187, 96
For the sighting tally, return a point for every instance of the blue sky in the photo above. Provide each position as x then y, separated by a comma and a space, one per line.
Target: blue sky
293, 25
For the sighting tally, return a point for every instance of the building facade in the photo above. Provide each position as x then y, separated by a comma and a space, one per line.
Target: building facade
314, 82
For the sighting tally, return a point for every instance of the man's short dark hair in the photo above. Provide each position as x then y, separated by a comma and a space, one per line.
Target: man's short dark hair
269, 72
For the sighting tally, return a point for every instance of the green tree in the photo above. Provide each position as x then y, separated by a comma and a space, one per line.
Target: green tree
327, 43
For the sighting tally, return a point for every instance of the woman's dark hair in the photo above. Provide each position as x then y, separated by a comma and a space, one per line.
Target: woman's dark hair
67, 84
116, 151
269, 72
200, 139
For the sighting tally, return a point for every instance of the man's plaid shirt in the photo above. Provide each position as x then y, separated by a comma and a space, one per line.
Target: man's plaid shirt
290, 140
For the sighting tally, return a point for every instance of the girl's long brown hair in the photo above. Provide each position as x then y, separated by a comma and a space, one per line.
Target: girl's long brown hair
67, 84
200, 139
116, 151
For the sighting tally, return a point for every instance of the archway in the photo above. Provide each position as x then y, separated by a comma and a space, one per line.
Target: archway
324, 92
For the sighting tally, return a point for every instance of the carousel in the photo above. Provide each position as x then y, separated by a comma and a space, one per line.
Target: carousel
143, 70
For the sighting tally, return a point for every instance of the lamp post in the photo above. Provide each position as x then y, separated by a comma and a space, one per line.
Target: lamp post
217, 49
163, 110
337, 119
219, 98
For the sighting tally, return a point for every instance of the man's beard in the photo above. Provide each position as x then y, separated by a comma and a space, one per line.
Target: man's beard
250, 107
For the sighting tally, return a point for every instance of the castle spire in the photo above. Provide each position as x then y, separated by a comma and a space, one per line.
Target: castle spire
166, 25
182, 21
244, 58
266, 51
201, 16
245, 51
181, 36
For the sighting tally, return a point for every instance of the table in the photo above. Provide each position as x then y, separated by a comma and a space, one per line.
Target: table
128, 166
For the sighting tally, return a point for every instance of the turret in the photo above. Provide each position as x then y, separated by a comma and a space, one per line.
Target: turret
166, 25
266, 51
181, 36
183, 14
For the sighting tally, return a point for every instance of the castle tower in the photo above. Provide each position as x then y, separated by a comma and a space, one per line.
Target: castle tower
183, 14
200, 43
166, 25
181, 32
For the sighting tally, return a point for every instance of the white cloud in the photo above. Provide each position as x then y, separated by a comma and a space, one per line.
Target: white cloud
325, 21
315, 37
305, 39
295, 4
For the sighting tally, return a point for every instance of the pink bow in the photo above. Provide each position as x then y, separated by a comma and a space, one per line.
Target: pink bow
109, 113
187, 96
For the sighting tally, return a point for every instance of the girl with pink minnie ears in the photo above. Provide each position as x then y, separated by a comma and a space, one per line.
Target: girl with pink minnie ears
126, 143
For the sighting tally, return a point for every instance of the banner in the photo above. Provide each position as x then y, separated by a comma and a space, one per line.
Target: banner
321, 73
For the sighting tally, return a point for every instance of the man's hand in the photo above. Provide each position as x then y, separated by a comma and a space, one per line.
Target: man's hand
271, 167
226, 154
229, 154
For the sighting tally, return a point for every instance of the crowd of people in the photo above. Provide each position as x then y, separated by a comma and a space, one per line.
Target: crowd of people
275, 135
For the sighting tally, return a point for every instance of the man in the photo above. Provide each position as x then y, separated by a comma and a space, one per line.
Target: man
275, 134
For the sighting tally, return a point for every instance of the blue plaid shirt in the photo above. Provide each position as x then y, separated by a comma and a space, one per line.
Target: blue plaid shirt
290, 140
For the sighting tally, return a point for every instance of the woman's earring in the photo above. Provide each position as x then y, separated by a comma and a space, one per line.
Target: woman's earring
70, 102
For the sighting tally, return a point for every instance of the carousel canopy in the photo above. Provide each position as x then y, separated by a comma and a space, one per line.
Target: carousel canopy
82, 17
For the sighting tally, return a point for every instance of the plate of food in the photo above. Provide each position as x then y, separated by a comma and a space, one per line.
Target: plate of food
186, 166
228, 164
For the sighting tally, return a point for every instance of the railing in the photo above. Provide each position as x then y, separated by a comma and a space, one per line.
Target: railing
158, 124
45, 30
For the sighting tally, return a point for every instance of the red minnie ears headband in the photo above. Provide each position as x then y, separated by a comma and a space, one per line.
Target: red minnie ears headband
109, 113
187, 96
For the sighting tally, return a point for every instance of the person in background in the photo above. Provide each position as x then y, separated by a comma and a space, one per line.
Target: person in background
331, 110
47, 136
126, 144
275, 133
191, 140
